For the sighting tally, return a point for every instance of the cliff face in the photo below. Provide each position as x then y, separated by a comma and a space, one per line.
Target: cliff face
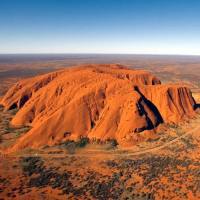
98, 101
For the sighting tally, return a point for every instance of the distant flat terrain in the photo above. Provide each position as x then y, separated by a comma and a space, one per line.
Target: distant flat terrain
167, 68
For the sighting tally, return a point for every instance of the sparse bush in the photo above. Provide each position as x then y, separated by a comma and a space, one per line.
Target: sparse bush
72, 145
25, 129
31, 165
153, 139
173, 125
8, 129
96, 141
13, 111
112, 142
82, 142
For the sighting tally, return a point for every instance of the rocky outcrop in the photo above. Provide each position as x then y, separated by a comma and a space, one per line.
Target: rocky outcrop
97, 101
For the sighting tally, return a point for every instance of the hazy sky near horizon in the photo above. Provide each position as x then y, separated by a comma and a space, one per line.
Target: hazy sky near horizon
100, 26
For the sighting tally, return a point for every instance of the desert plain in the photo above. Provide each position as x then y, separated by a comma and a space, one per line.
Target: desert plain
99, 127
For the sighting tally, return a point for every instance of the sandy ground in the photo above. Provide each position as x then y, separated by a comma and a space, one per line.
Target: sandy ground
152, 170
165, 167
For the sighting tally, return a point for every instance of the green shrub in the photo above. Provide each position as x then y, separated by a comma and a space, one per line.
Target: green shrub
72, 145
82, 142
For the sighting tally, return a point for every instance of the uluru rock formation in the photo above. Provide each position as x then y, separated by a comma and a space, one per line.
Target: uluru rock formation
97, 101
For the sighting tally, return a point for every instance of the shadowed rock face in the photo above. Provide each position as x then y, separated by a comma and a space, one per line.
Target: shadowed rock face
98, 101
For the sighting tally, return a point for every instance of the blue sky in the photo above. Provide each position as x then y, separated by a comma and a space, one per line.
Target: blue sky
100, 26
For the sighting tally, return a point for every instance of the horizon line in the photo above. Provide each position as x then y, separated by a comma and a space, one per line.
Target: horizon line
100, 53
